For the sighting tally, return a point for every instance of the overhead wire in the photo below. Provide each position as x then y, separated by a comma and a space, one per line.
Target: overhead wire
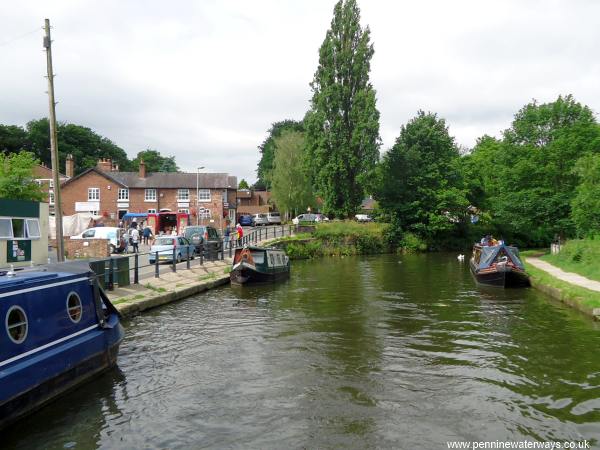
22, 36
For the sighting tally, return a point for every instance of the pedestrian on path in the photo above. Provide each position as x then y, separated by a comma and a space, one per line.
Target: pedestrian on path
147, 234
135, 239
226, 233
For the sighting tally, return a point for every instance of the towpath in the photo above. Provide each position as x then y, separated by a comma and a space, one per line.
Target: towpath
569, 277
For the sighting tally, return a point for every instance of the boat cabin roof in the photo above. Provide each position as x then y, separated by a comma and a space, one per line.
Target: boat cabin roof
490, 253
51, 273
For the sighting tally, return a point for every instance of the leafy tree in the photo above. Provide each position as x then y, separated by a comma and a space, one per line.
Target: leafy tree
267, 150
419, 179
291, 187
155, 162
85, 145
17, 180
528, 176
586, 203
12, 138
243, 184
343, 122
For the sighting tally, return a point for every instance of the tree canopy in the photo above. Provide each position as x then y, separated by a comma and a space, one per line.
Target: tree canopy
343, 122
155, 162
419, 179
243, 184
291, 188
17, 180
84, 144
267, 150
528, 178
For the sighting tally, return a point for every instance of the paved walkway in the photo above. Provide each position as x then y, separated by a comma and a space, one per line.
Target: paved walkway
569, 277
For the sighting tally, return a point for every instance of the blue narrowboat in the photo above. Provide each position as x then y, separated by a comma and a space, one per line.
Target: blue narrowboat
59, 329
498, 265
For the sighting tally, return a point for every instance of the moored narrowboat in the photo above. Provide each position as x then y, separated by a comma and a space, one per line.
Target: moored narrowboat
259, 264
60, 329
498, 265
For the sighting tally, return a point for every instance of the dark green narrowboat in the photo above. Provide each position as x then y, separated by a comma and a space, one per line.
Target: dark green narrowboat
259, 264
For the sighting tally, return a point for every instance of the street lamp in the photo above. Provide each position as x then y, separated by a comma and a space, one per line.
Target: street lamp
198, 195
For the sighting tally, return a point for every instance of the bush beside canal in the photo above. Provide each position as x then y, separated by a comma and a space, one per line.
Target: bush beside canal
338, 239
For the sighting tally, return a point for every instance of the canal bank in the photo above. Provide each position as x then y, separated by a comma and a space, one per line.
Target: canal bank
571, 289
170, 287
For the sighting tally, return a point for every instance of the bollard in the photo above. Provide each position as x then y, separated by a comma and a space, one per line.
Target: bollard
202, 253
136, 275
229, 249
156, 270
188, 258
111, 275
174, 260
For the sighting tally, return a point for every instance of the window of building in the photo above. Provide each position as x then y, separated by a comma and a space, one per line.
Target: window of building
51, 197
123, 194
94, 213
18, 226
183, 195
184, 210
204, 195
93, 194
33, 228
5, 228
152, 211
150, 195
51, 184
204, 213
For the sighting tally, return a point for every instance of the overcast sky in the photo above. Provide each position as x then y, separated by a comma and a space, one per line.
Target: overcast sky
203, 80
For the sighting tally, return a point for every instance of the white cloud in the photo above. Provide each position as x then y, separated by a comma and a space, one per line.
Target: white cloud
204, 80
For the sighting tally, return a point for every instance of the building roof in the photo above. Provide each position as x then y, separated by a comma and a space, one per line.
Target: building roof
43, 172
167, 180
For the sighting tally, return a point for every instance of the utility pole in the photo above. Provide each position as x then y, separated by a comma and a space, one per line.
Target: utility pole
60, 246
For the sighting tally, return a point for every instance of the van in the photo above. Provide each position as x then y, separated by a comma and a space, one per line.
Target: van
274, 218
118, 241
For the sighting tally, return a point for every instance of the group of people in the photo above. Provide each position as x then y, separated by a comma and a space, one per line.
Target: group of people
490, 241
233, 234
143, 233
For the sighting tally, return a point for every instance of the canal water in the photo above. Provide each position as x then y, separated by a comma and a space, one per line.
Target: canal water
357, 352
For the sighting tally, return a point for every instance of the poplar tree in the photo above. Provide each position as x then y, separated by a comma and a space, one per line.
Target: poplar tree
342, 126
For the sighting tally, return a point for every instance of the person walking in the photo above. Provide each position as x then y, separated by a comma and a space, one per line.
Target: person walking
240, 234
226, 233
135, 239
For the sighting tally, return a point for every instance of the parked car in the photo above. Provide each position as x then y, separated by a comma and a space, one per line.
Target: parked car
363, 218
260, 219
304, 218
274, 218
201, 235
117, 237
245, 220
165, 245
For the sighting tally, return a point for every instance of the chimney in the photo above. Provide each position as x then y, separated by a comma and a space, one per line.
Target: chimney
142, 171
104, 164
70, 166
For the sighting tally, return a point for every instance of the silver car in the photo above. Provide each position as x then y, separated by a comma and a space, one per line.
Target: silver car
260, 219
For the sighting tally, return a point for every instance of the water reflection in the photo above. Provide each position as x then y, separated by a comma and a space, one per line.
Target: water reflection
382, 352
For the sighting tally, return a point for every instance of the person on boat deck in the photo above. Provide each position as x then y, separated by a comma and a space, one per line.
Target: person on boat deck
493, 241
485, 241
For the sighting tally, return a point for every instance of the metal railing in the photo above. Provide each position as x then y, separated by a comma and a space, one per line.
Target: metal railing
131, 268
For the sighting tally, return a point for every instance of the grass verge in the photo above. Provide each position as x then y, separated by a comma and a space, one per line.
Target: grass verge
580, 256
578, 297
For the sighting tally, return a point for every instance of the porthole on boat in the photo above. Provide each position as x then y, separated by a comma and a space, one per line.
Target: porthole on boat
16, 324
74, 307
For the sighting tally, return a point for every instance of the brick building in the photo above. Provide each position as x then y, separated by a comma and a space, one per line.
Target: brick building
253, 202
106, 191
43, 176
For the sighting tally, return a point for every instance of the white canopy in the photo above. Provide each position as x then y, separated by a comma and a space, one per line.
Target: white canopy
72, 225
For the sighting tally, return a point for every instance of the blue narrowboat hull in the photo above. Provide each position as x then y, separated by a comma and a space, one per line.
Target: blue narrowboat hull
57, 353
